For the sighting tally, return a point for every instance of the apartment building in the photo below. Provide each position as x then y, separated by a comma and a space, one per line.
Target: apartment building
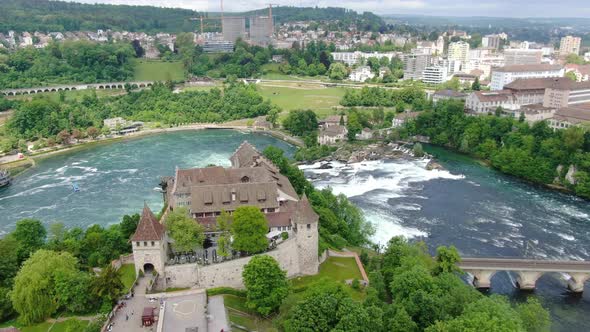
508, 74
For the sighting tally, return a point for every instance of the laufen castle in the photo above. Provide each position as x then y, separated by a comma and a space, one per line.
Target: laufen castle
251, 180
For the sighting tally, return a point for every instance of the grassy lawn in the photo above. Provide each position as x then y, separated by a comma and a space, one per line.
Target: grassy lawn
158, 71
317, 98
127, 275
240, 314
334, 268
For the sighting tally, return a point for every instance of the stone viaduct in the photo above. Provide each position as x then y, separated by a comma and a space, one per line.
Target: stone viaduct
528, 271
72, 87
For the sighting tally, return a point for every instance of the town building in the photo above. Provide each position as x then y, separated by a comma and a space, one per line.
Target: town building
489, 101
233, 27
448, 95
252, 180
566, 117
361, 74
400, 119
357, 57
570, 45
565, 92
459, 51
435, 75
533, 113
365, 134
261, 30
333, 120
516, 56
508, 74
218, 46
582, 72
414, 65
332, 135
492, 41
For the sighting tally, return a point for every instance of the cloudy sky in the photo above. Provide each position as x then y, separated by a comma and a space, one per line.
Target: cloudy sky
502, 8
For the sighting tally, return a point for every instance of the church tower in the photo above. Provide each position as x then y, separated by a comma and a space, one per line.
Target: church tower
149, 244
306, 233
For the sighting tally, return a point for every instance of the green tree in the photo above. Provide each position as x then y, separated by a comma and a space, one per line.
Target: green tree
249, 229
337, 71
418, 150
354, 126
6, 309
33, 295
266, 284
9, 260
129, 225
300, 122
476, 86
30, 235
108, 285
223, 241
273, 116
402, 322
571, 75
187, 234
447, 259
535, 318
72, 291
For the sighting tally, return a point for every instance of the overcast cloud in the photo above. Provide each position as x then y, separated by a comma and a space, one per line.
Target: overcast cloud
502, 8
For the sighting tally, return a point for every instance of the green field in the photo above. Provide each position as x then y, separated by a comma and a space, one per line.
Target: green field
319, 99
334, 268
158, 71
127, 275
241, 315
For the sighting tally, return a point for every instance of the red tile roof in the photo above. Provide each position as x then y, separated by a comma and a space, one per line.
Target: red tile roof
149, 228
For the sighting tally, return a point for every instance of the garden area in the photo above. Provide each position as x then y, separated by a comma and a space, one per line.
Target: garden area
158, 71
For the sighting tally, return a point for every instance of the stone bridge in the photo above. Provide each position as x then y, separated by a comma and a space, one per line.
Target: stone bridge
72, 87
528, 271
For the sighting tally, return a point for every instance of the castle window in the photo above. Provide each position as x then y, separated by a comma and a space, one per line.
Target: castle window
145, 243
245, 179
308, 226
153, 243
137, 243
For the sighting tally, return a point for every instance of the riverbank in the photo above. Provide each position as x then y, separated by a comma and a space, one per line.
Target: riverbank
16, 167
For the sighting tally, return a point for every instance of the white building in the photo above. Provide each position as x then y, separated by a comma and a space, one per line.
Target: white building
570, 116
361, 74
492, 41
353, 58
459, 51
414, 65
516, 56
332, 135
435, 75
508, 74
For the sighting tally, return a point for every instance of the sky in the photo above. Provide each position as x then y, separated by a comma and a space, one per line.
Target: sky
496, 8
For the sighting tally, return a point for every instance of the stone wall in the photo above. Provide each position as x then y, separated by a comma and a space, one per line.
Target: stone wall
229, 274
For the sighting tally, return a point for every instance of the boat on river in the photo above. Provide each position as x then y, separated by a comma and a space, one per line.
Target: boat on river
5, 179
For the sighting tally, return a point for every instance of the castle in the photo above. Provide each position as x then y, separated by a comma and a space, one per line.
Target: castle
252, 180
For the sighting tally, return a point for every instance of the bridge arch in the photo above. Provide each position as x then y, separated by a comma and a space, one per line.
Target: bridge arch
10, 93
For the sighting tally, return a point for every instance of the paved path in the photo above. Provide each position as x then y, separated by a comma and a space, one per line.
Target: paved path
186, 311
133, 310
218, 320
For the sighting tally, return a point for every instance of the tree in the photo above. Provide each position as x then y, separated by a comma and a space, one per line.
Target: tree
354, 126
534, 317
33, 295
139, 51
418, 150
63, 137
187, 234
300, 122
476, 86
108, 285
6, 309
402, 322
337, 71
273, 116
9, 260
129, 225
30, 235
571, 75
249, 229
223, 241
447, 259
72, 291
266, 284
92, 132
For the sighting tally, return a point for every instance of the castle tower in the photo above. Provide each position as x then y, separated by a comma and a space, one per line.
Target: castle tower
149, 244
305, 221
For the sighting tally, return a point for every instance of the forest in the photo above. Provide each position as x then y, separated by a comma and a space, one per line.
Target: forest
42, 118
48, 269
52, 16
401, 99
535, 152
71, 61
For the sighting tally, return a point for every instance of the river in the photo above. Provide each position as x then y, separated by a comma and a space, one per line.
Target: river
481, 212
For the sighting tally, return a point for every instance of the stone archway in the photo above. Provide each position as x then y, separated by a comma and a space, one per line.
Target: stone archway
148, 268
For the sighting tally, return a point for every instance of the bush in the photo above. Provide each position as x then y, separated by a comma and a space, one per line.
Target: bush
284, 235
356, 284
226, 291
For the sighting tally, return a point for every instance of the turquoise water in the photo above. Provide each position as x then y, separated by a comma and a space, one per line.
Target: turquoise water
115, 179
481, 212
